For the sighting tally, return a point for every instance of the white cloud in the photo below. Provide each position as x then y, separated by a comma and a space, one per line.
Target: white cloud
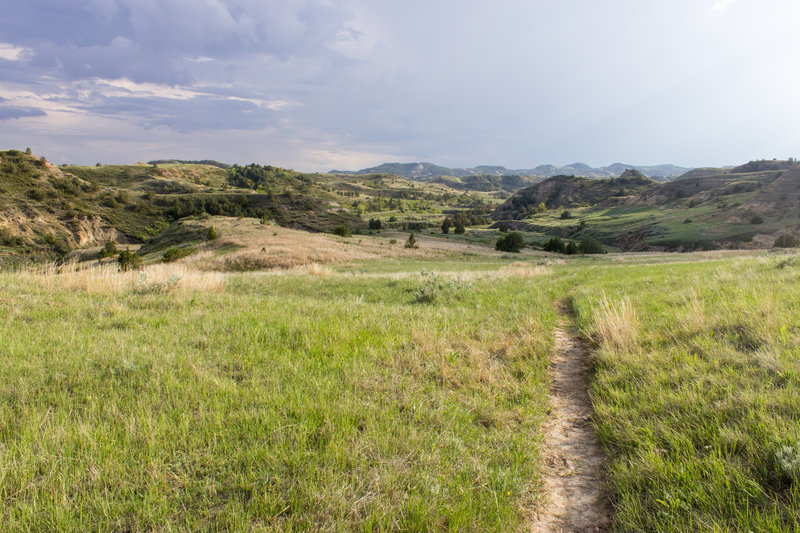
11, 52
722, 5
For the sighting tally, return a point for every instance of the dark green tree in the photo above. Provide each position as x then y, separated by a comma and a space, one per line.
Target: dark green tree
590, 245
129, 260
412, 241
513, 242
446, 223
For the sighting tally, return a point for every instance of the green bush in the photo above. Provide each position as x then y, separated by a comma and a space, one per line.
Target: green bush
755, 219
786, 241
174, 253
7, 238
212, 234
460, 229
566, 215
446, 226
590, 245
412, 241
341, 231
513, 242
555, 244
437, 288
109, 250
571, 248
129, 260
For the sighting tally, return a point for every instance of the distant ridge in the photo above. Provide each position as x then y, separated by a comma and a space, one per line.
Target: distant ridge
430, 171
209, 162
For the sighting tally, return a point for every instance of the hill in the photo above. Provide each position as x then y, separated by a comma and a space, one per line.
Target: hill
429, 171
47, 211
712, 208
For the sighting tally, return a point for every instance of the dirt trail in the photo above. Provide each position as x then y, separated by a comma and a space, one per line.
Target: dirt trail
573, 463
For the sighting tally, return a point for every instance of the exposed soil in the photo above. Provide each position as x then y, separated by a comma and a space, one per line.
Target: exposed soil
574, 497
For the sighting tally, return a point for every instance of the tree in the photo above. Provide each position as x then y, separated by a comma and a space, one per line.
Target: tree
341, 231
555, 244
460, 229
411, 242
786, 241
375, 224
129, 260
446, 223
109, 250
566, 215
212, 234
571, 248
513, 242
590, 245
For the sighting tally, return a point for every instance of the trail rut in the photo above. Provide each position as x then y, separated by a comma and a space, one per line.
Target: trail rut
573, 495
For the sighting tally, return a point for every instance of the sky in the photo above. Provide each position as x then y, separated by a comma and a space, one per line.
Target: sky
316, 85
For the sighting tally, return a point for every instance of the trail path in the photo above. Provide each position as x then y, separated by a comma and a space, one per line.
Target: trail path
573, 462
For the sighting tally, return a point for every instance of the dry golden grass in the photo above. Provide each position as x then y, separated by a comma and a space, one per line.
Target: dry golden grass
616, 324
266, 247
105, 278
523, 270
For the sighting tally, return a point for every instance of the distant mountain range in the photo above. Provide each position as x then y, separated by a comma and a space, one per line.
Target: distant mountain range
429, 171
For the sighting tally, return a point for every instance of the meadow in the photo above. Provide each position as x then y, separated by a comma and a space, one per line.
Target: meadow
401, 393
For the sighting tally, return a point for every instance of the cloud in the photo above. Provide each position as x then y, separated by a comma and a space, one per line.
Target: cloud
8, 112
722, 5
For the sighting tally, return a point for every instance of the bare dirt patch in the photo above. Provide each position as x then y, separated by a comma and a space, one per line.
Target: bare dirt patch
573, 464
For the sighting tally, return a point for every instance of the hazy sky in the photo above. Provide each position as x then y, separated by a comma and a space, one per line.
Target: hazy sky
317, 84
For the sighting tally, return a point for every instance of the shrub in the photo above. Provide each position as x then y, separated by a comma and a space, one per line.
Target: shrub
175, 253
786, 241
446, 226
513, 242
109, 250
341, 231
566, 215
755, 219
555, 244
437, 288
571, 248
590, 245
375, 224
8, 238
212, 234
502, 227
392, 241
129, 260
411, 242
460, 229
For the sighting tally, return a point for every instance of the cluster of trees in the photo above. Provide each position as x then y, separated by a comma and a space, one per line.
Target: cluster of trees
460, 221
587, 245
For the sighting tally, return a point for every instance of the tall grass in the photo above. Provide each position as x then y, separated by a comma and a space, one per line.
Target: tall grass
701, 420
104, 278
283, 403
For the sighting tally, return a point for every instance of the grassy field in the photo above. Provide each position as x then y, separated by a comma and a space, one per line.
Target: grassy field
397, 393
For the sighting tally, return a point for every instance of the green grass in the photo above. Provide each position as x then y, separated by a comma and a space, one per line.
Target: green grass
283, 403
339, 402
694, 410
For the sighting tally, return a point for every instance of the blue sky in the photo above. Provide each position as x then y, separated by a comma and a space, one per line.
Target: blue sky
318, 84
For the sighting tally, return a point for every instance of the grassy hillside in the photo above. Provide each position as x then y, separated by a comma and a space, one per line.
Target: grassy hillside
45, 212
702, 210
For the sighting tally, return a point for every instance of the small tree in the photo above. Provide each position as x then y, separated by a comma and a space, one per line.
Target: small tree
590, 245
566, 215
375, 224
555, 244
412, 241
129, 260
460, 229
109, 250
786, 241
341, 231
571, 248
446, 223
212, 234
513, 242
